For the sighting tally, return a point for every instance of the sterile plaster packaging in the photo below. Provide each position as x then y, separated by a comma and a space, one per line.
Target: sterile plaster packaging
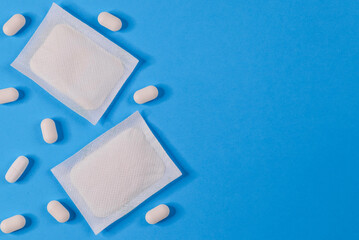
74, 63
116, 172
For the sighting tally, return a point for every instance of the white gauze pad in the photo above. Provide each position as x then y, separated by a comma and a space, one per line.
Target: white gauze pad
74, 63
116, 172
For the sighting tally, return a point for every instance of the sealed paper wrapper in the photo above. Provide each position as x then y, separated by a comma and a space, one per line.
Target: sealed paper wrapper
75, 64
116, 172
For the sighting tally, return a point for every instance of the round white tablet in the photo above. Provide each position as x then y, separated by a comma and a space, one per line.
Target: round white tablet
13, 224
14, 24
157, 214
109, 21
17, 169
145, 94
8, 95
58, 211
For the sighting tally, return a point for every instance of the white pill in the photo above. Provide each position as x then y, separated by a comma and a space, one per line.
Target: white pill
58, 211
8, 95
14, 24
145, 94
17, 169
157, 214
49, 132
109, 21
13, 224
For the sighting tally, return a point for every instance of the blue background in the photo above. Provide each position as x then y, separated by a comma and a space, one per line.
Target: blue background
258, 107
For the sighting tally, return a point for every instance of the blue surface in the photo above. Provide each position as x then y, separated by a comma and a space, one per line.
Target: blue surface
259, 108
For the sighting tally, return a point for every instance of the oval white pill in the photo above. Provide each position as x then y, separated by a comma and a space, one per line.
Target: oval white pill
109, 21
145, 94
157, 214
13, 224
49, 132
58, 211
17, 169
8, 95
14, 24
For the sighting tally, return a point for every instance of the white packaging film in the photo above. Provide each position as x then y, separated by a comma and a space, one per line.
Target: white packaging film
75, 64
116, 172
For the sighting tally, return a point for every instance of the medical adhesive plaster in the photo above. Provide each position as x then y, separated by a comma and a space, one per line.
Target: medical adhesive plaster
116, 172
74, 63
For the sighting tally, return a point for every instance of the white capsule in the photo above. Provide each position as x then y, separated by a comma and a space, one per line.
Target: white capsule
145, 94
157, 214
8, 95
49, 132
17, 169
58, 211
14, 24
13, 224
109, 21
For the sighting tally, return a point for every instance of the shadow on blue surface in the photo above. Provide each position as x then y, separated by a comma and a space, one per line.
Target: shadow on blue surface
70, 209
62, 130
29, 17
176, 213
164, 92
127, 21
23, 94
